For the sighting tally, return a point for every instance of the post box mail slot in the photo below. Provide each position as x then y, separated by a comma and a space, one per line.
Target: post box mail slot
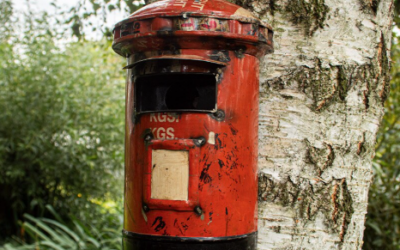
175, 92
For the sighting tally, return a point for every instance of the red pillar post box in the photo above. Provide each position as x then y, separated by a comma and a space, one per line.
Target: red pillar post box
191, 124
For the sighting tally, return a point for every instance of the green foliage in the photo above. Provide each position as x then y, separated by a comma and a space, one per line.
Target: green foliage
396, 12
62, 121
383, 218
54, 234
6, 12
86, 13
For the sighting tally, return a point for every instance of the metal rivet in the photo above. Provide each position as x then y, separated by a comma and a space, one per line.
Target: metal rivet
219, 115
148, 137
198, 210
199, 141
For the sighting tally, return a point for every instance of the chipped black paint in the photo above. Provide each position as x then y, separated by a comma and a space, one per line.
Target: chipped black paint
218, 141
233, 129
234, 165
221, 163
160, 224
204, 176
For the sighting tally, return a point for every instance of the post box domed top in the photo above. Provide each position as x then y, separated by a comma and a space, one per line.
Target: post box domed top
192, 24
200, 8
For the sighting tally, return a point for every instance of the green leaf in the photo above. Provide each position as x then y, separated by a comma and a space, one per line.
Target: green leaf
34, 232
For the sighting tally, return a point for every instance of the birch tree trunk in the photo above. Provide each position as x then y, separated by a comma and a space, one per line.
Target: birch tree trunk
321, 103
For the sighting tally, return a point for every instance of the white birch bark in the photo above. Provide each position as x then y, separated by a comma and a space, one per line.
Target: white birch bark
321, 103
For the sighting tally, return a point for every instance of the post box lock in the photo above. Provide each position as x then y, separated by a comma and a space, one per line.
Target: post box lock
191, 142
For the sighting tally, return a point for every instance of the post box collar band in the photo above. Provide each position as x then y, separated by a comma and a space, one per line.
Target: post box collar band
134, 241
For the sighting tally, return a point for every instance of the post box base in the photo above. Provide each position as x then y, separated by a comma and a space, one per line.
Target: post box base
133, 241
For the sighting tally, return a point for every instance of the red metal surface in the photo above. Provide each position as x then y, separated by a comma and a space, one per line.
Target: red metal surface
187, 36
226, 170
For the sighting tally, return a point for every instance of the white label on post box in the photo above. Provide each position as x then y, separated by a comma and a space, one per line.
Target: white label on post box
170, 174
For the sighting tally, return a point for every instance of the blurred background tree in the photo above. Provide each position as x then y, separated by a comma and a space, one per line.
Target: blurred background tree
62, 122
383, 218
80, 18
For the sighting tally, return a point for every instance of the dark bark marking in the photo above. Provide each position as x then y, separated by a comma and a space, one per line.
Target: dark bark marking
332, 199
276, 229
370, 5
263, 7
360, 145
312, 14
344, 83
384, 69
326, 86
320, 158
